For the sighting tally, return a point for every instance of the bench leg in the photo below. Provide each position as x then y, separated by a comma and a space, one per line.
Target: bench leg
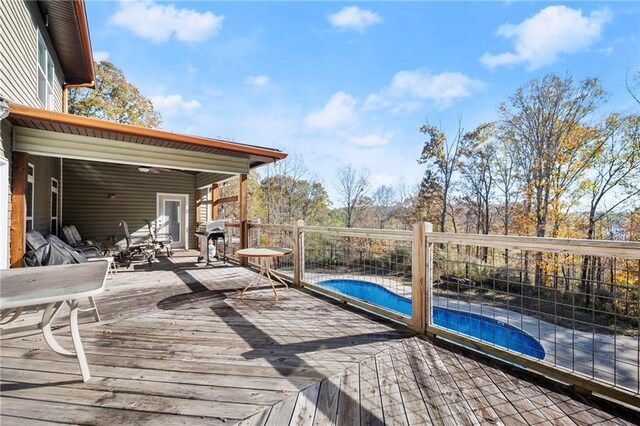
96, 315
49, 314
77, 344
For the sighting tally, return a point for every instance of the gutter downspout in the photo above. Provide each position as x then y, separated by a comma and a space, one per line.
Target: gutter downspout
65, 98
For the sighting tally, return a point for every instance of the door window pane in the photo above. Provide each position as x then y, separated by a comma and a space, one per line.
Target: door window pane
173, 219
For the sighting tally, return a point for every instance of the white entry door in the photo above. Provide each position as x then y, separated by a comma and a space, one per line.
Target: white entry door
173, 218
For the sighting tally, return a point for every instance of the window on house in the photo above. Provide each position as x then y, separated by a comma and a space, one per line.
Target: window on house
53, 226
46, 74
29, 193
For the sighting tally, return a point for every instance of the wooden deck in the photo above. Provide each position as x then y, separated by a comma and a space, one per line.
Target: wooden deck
177, 346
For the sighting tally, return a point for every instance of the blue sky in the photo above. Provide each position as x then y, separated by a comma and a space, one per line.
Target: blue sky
351, 83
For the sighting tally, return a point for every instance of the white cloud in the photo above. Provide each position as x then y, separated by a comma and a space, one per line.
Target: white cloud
384, 178
338, 112
409, 89
100, 55
257, 80
542, 38
160, 22
371, 140
354, 18
173, 104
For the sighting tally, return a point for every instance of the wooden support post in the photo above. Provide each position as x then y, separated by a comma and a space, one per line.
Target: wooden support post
421, 281
215, 196
298, 252
18, 207
244, 212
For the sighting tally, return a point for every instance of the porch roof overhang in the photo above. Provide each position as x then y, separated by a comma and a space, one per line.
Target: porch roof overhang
68, 28
49, 133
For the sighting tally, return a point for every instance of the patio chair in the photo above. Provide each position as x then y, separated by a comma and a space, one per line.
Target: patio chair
90, 253
72, 237
161, 241
53, 251
142, 247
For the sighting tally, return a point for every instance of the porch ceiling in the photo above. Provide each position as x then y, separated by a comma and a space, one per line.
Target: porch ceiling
131, 144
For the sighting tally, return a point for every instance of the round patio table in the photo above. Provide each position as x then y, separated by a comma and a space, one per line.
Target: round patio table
265, 255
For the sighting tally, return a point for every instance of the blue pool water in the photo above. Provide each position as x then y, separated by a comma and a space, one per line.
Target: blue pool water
474, 325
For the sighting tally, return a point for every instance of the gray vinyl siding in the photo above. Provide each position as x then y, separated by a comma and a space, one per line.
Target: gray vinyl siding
87, 204
19, 23
45, 169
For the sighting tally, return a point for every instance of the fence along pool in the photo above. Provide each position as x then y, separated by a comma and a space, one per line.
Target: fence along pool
578, 298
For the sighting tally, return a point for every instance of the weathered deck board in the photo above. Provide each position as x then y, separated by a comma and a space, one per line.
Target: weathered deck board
177, 346
327, 408
390, 391
349, 401
437, 405
370, 400
414, 405
305, 407
281, 412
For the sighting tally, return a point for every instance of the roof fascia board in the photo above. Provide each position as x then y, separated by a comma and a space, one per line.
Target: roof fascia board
24, 112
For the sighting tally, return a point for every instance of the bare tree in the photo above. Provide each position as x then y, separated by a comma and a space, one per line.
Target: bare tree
633, 86
444, 158
479, 156
614, 170
554, 147
353, 187
507, 181
384, 204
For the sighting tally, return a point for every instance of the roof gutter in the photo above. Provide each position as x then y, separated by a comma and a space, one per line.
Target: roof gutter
85, 38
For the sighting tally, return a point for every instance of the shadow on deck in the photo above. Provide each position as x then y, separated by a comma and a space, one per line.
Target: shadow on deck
177, 345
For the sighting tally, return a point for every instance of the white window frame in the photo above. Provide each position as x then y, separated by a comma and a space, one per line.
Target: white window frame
47, 74
54, 190
31, 180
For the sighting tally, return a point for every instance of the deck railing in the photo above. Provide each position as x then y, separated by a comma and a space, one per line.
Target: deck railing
567, 308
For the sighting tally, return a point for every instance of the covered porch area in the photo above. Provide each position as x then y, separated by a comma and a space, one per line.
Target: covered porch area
73, 170
178, 346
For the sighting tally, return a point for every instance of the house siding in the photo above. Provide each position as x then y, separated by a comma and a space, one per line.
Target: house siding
45, 169
87, 205
19, 24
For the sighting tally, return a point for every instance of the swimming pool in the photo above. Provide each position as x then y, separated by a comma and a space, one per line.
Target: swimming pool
478, 326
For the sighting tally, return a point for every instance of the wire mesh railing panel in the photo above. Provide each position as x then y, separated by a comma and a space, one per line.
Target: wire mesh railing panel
574, 311
266, 235
232, 235
376, 270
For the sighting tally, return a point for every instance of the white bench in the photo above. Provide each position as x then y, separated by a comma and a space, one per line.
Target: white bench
51, 286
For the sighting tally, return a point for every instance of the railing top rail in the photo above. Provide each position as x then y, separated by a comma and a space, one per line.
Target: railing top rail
390, 234
271, 226
603, 248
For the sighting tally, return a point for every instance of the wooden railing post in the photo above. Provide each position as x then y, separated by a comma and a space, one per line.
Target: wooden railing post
18, 208
244, 212
421, 277
298, 252
214, 196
